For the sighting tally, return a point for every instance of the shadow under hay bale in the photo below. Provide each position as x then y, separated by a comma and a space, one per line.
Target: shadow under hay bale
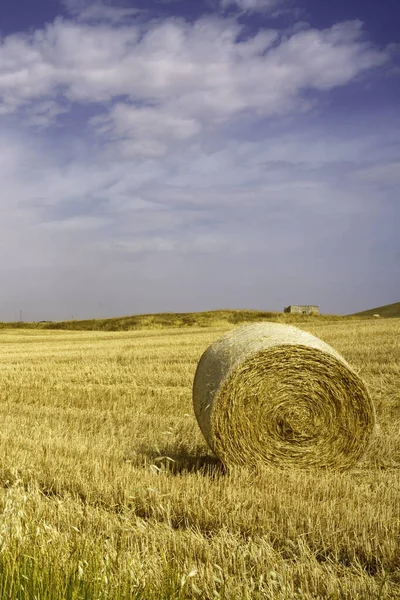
273, 394
180, 460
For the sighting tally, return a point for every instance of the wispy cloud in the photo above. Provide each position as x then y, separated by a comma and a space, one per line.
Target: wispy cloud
253, 5
92, 11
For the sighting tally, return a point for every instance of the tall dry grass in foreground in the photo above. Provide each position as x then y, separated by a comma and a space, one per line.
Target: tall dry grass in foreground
107, 489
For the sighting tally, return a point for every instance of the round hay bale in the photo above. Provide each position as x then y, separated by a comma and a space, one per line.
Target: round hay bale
271, 393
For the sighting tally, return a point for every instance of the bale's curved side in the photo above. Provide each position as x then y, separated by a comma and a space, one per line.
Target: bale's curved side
272, 393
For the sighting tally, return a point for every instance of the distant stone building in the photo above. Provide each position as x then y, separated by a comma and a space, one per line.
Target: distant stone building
298, 309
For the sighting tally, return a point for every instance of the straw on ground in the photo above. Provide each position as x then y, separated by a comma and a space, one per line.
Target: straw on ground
108, 490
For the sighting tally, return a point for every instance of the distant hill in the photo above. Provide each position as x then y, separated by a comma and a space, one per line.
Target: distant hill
162, 320
389, 310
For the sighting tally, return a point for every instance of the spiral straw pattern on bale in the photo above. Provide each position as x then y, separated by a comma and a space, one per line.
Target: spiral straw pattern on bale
271, 393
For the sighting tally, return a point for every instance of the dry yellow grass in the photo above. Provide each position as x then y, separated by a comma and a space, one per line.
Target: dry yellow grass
107, 489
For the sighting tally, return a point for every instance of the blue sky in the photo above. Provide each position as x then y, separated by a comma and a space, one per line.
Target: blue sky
182, 156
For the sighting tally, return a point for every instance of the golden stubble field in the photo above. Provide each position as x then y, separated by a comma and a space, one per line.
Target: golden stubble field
107, 489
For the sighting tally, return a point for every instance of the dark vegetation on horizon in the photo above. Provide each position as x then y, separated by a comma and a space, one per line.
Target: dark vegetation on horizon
200, 319
178, 320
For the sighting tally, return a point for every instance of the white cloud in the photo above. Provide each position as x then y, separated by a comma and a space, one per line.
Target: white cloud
192, 75
112, 14
252, 5
75, 6
381, 174
178, 80
73, 225
45, 113
145, 131
92, 11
